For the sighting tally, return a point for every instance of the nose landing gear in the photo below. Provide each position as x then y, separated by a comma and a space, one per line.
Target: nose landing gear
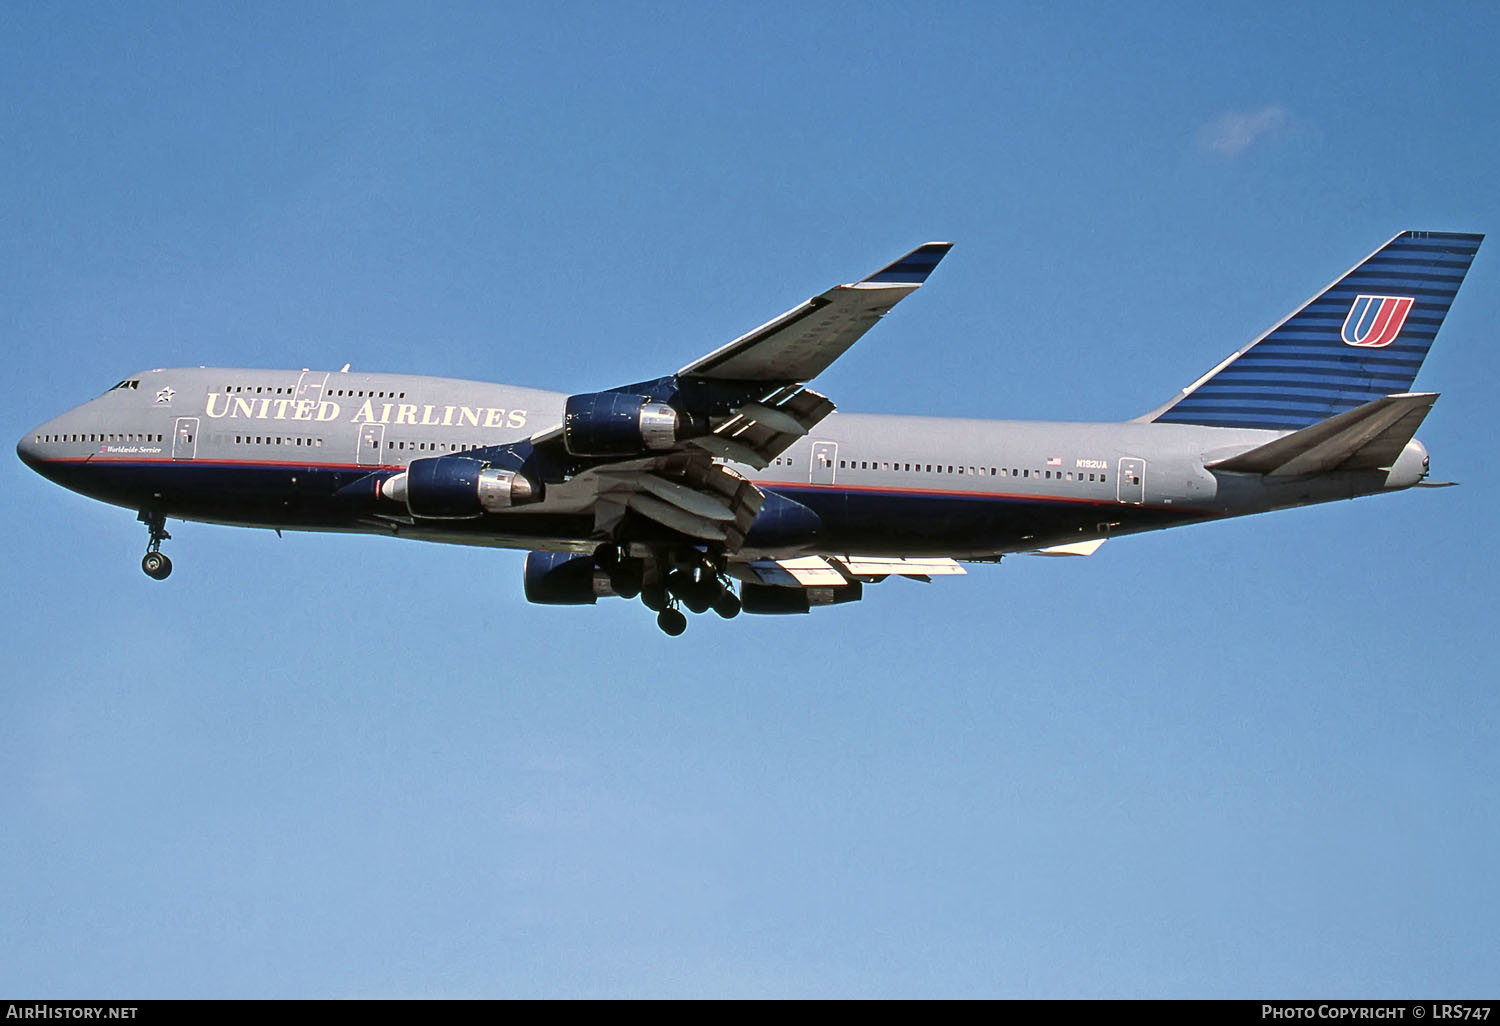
155, 562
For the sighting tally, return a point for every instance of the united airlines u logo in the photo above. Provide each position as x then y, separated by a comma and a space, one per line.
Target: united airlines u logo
1375, 321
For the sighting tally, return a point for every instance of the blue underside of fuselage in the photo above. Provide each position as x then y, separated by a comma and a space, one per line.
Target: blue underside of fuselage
863, 520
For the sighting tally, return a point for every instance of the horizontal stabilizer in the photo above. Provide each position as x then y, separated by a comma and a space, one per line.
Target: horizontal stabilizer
1368, 437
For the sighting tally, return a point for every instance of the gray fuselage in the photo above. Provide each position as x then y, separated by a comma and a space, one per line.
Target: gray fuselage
283, 449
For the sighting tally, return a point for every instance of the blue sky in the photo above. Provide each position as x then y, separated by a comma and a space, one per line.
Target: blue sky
1253, 758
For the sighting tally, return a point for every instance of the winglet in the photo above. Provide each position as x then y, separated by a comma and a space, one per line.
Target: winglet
911, 269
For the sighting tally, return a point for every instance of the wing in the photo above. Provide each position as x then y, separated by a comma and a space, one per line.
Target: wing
654, 450
801, 343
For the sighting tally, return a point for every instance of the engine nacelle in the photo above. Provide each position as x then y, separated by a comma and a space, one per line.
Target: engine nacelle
457, 487
617, 424
770, 598
564, 579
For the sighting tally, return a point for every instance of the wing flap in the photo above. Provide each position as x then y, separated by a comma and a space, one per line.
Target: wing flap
688, 493
880, 566
800, 572
834, 571
761, 430
1083, 548
1368, 437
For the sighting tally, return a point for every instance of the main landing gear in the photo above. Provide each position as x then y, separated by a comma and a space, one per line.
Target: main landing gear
668, 582
155, 562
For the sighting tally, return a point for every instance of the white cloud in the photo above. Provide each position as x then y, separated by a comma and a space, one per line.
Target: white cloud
1231, 133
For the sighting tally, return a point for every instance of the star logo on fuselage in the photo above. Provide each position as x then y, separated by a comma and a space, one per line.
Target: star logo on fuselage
165, 395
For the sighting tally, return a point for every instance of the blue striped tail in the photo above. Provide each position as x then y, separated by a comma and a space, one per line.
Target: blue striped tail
1363, 337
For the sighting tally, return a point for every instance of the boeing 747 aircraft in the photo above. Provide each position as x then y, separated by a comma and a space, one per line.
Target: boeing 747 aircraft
730, 485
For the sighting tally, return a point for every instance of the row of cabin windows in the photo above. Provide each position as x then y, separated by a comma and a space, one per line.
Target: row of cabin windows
106, 436
370, 442
938, 468
133, 436
424, 446
316, 443
275, 390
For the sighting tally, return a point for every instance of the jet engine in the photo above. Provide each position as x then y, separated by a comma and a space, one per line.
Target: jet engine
457, 487
564, 579
770, 598
618, 424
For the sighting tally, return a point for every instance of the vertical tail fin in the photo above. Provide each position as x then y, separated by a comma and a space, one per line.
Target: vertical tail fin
1363, 337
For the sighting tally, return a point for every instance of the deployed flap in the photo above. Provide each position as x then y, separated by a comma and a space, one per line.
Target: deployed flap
1368, 437
1083, 548
801, 572
879, 566
825, 571
801, 343
689, 494
760, 431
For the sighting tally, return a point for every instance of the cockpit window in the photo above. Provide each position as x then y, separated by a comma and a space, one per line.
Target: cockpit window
127, 383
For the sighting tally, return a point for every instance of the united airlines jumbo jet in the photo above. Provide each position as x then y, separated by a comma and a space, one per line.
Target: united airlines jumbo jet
730, 485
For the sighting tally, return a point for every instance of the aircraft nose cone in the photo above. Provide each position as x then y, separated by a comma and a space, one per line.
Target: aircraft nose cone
29, 451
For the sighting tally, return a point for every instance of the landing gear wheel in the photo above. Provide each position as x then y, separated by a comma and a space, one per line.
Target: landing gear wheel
698, 598
627, 586
671, 621
155, 562
607, 557
727, 604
